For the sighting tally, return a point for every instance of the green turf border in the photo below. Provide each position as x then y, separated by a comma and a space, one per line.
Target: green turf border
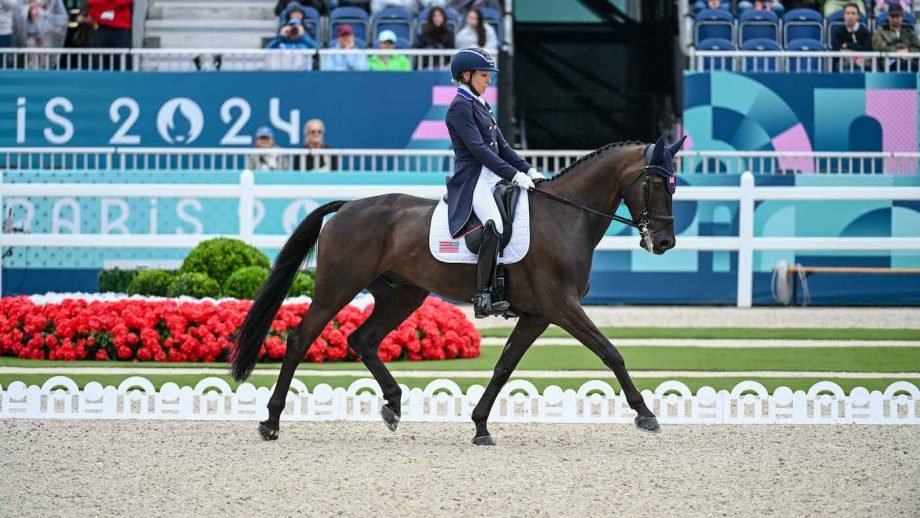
730, 333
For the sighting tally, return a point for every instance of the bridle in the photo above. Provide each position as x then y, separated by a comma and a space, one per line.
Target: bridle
646, 217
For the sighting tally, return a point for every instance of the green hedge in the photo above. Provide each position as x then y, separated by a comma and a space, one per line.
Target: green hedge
194, 285
245, 282
116, 281
218, 258
151, 283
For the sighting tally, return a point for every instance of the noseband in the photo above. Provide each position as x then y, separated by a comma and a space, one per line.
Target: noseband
647, 216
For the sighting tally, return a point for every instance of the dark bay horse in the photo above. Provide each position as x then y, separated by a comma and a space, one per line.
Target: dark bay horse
381, 244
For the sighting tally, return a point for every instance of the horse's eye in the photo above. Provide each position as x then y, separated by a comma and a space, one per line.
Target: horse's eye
658, 184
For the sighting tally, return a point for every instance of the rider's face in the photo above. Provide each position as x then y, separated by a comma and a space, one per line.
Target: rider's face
480, 80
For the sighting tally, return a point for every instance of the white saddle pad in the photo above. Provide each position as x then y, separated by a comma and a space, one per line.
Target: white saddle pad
446, 249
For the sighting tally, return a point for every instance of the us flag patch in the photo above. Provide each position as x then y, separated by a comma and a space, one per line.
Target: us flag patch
449, 247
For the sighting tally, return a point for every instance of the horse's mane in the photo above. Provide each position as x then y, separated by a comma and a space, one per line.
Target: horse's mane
597, 152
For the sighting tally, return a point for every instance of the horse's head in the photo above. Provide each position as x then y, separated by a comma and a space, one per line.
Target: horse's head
647, 189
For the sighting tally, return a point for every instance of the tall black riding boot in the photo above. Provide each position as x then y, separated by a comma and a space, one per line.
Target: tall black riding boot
487, 262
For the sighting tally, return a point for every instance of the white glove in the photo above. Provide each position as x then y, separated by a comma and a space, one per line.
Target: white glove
535, 175
523, 181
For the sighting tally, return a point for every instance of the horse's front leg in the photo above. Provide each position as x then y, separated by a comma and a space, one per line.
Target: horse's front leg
573, 319
525, 332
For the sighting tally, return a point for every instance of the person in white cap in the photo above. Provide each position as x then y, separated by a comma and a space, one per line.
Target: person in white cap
265, 139
389, 62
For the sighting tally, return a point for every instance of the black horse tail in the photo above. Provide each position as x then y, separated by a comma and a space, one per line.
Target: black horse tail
251, 335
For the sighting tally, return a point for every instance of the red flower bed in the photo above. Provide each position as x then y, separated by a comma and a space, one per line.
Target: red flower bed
168, 331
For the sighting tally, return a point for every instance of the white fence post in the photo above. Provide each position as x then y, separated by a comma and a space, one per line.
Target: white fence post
246, 206
746, 241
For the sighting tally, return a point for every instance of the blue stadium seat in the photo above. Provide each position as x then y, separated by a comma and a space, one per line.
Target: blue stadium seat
354, 16
396, 19
714, 23
493, 17
802, 64
709, 63
758, 25
803, 24
836, 20
760, 64
311, 19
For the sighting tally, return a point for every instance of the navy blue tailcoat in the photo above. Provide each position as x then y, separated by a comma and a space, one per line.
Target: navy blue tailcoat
477, 142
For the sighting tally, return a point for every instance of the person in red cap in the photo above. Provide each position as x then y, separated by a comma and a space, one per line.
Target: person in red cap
344, 40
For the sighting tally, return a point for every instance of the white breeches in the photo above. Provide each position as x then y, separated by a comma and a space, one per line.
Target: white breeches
483, 202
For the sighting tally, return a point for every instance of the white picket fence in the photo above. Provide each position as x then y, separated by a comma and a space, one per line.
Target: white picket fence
441, 161
519, 401
746, 243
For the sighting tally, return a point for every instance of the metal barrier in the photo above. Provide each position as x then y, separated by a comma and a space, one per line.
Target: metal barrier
177, 60
441, 160
246, 192
801, 61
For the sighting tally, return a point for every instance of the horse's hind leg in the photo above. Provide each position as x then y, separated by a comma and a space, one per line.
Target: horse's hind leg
334, 289
393, 303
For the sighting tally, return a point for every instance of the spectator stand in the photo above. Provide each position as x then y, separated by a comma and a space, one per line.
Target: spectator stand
354, 16
799, 24
714, 24
396, 19
758, 25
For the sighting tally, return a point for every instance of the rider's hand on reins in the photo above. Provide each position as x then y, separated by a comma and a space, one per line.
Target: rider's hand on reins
523, 181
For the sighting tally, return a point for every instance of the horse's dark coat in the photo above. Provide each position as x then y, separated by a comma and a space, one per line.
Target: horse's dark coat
381, 244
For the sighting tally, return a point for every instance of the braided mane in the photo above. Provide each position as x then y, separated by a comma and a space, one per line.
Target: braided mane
596, 153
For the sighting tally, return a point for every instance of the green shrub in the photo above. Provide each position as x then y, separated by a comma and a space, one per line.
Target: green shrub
151, 283
218, 258
303, 285
245, 282
193, 284
115, 281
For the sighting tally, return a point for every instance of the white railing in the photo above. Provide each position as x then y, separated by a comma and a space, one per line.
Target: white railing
175, 60
745, 244
801, 61
519, 401
441, 161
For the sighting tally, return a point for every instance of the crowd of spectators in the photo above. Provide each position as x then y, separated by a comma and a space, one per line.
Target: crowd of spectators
808, 25
314, 133
843, 25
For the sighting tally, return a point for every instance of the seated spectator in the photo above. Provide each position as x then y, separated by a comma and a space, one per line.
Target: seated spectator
113, 23
320, 5
851, 36
265, 139
435, 32
7, 8
292, 36
881, 6
345, 40
313, 133
40, 23
294, 11
715, 4
760, 5
389, 62
475, 33
895, 37
832, 6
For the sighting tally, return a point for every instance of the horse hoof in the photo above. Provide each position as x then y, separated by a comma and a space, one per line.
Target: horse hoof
485, 440
390, 417
267, 434
648, 423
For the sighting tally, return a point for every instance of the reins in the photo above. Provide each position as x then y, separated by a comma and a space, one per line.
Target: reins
560, 199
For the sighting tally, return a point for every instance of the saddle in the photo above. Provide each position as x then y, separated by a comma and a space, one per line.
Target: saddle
506, 197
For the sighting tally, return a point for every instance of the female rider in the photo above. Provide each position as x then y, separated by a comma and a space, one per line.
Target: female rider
482, 158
